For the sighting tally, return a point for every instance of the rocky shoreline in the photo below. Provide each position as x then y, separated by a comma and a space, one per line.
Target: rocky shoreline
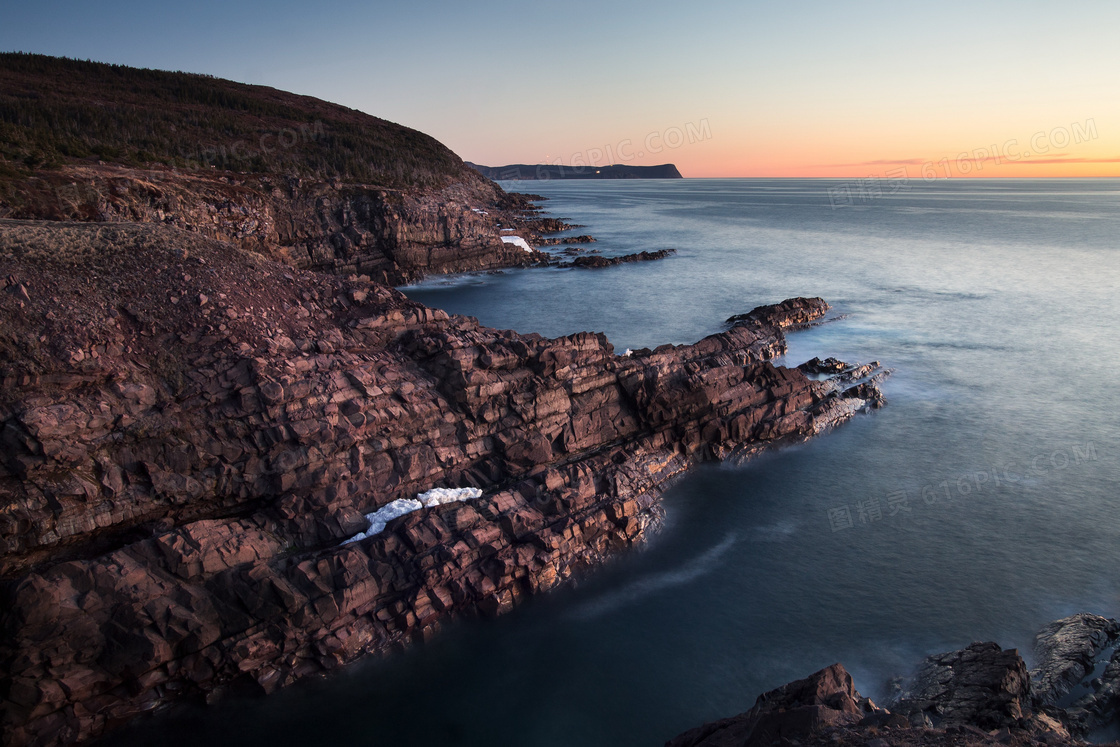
392, 236
979, 695
193, 431
232, 456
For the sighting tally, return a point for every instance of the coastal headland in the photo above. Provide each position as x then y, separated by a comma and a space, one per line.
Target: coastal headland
209, 393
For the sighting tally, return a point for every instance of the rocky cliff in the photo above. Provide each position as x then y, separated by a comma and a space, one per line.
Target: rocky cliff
192, 432
393, 236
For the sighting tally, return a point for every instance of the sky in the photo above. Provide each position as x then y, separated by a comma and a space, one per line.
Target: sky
880, 90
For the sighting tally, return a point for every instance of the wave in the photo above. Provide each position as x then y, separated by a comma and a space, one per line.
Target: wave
701, 565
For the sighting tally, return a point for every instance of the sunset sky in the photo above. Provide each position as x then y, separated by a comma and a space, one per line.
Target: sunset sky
719, 88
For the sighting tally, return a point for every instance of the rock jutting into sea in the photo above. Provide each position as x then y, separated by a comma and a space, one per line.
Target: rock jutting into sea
597, 261
565, 240
193, 433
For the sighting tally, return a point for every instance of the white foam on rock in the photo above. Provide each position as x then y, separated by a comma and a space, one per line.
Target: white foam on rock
403, 506
517, 241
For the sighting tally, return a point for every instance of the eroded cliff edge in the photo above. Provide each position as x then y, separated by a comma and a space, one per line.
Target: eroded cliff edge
192, 431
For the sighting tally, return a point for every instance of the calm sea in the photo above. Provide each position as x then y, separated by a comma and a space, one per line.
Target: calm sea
980, 504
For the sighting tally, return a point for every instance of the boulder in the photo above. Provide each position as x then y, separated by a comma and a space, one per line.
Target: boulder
981, 685
789, 714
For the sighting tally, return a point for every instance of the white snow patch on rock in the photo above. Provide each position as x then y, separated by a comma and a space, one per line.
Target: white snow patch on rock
517, 241
402, 506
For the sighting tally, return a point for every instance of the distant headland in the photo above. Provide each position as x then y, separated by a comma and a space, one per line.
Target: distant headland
545, 172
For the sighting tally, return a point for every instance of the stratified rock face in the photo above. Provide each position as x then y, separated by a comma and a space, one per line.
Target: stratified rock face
1065, 650
981, 685
191, 433
792, 713
393, 236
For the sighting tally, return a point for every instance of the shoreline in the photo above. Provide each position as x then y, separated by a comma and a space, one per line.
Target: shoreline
235, 437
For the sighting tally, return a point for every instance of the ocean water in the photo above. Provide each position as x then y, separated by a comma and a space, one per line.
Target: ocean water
980, 504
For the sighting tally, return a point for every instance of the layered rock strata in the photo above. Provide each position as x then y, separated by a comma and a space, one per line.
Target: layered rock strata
394, 236
192, 432
981, 685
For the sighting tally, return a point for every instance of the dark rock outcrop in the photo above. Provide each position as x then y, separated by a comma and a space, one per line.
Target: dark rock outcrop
982, 685
794, 312
597, 260
980, 695
791, 713
827, 366
192, 432
565, 240
1068, 651
1100, 707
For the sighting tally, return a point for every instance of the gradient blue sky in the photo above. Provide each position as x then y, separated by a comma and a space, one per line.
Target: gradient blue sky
828, 89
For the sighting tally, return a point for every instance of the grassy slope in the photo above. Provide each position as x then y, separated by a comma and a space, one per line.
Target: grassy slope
55, 111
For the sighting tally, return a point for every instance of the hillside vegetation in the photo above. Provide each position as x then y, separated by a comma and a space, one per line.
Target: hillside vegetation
55, 111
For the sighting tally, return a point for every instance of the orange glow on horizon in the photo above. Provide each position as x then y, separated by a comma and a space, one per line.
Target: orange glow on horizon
1007, 160
909, 148
942, 167
1070, 151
